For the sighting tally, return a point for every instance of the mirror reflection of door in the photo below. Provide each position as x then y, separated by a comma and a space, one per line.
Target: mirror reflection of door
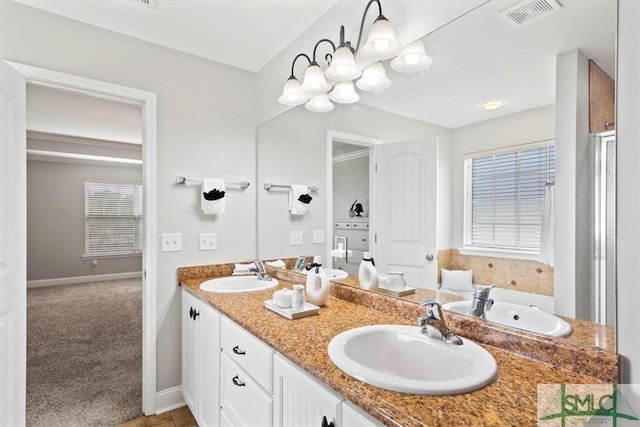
406, 210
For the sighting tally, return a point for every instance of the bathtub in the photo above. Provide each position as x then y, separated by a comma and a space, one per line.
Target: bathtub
543, 302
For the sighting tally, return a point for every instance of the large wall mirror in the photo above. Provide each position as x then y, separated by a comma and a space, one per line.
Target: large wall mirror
556, 78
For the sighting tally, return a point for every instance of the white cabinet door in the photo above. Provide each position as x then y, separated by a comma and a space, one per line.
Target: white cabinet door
406, 211
190, 350
209, 367
299, 400
201, 359
353, 417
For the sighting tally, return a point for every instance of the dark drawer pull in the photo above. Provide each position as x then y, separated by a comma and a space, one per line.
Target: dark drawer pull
325, 423
236, 381
237, 350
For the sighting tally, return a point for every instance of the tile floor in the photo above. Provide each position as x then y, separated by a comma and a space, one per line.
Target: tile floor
180, 417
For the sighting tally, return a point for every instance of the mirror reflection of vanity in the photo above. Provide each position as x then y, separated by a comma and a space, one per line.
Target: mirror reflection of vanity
541, 71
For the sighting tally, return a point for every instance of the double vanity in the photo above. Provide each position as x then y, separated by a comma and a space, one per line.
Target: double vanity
363, 361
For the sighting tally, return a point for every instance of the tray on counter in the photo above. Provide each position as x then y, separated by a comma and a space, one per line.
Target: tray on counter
308, 309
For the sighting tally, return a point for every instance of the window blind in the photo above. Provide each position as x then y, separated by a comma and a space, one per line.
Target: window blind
504, 197
113, 218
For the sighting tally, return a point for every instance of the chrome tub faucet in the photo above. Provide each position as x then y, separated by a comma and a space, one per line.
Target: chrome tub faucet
481, 302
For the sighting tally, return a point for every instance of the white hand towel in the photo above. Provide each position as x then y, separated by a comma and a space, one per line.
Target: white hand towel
277, 263
242, 268
212, 207
296, 207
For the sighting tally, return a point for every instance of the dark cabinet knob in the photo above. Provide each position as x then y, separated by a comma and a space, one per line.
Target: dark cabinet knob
237, 382
325, 423
237, 350
195, 314
191, 312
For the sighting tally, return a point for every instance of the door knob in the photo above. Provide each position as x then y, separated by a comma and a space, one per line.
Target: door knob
430, 257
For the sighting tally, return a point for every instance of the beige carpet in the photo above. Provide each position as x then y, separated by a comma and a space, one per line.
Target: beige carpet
84, 354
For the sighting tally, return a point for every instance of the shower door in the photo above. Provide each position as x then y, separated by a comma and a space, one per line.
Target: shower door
605, 227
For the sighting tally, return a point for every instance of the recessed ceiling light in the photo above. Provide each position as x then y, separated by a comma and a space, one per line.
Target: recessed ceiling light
491, 105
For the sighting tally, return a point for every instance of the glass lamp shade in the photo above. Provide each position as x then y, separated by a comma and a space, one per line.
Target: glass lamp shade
374, 78
292, 94
411, 59
343, 66
344, 93
319, 103
314, 81
381, 43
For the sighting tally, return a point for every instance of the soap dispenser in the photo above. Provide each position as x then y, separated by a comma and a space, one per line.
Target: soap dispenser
367, 273
317, 283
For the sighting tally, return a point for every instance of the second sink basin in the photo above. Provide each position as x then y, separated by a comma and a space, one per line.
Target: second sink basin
237, 284
401, 358
519, 316
332, 273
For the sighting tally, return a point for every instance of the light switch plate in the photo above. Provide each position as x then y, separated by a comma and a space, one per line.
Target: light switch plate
171, 242
295, 238
208, 241
318, 236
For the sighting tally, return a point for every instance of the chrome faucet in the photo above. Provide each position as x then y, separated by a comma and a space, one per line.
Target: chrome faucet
434, 325
299, 264
481, 302
260, 271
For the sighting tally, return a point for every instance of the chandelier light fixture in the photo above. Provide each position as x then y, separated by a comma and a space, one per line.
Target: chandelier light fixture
320, 88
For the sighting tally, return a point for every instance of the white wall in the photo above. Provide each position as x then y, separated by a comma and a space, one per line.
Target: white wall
528, 126
292, 149
628, 212
571, 216
77, 114
55, 220
206, 127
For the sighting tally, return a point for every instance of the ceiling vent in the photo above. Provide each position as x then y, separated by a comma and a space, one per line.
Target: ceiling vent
151, 4
529, 10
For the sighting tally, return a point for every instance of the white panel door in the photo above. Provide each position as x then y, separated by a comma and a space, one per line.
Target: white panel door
13, 244
406, 210
209, 372
299, 400
190, 350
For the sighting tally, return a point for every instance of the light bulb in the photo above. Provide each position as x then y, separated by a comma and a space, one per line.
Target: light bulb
381, 45
319, 103
343, 69
411, 58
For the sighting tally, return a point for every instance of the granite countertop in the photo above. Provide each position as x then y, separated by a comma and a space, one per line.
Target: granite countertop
510, 400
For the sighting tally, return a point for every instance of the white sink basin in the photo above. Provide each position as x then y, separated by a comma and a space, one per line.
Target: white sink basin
333, 273
401, 358
237, 284
519, 316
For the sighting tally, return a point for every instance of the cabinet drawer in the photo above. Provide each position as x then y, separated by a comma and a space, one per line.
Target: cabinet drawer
242, 401
250, 353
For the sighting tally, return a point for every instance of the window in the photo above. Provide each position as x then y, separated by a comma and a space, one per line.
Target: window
504, 197
113, 218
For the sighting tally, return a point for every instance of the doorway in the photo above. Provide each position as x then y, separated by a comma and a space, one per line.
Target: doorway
14, 398
350, 199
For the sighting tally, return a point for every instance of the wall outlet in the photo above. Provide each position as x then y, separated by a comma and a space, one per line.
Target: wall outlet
318, 236
208, 241
171, 242
295, 238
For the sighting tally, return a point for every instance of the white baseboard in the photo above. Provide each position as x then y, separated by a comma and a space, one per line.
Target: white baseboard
82, 279
169, 399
